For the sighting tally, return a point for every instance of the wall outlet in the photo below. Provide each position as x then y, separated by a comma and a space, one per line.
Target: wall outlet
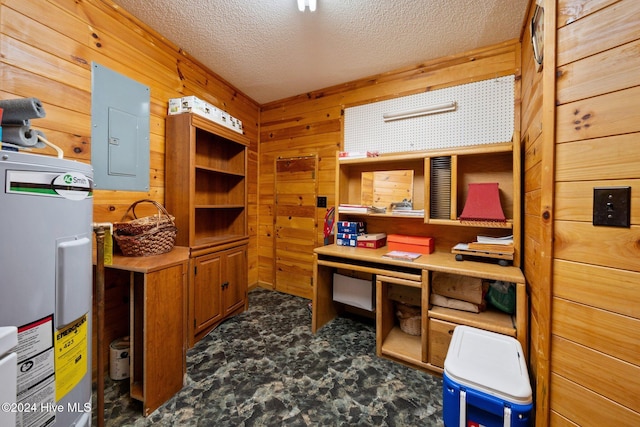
321, 202
612, 206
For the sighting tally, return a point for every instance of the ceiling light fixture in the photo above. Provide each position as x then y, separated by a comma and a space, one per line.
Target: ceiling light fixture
302, 4
423, 111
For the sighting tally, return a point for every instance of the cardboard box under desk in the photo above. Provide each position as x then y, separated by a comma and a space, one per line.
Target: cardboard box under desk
354, 291
419, 244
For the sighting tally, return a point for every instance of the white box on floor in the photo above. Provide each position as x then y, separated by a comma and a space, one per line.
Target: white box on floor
353, 291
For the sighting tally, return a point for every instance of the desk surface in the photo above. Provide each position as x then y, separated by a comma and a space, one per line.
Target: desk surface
149, 264
437, 261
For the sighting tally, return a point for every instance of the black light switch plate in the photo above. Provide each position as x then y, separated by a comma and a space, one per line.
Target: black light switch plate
321, 202
612, 206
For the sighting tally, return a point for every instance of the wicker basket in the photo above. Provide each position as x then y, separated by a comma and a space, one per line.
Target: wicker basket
150, 235
410, 318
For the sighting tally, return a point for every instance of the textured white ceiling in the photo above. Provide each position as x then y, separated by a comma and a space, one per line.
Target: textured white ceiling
269, 50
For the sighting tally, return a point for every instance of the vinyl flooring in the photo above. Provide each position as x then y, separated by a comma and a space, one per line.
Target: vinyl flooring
264, 367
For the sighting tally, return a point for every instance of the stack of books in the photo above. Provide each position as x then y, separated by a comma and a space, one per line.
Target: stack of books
493, 244
346, 208
408, 212
489, 247
361, 209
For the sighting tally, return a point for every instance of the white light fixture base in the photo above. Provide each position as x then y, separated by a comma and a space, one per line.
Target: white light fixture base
303, 4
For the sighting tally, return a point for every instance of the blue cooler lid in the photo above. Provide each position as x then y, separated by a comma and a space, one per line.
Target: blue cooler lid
488, 362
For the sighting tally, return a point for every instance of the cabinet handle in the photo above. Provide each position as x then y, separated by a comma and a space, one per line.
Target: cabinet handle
225, 285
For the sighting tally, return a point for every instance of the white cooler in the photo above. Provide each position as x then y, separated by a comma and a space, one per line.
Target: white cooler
485, 381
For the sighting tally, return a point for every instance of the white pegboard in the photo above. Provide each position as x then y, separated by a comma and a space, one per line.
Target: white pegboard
485, 114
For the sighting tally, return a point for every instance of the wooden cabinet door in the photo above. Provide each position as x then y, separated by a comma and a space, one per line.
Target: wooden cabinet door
440, 334
207, 287
234, 289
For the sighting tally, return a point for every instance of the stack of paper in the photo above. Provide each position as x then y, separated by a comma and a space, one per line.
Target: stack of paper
402, 255
493, 244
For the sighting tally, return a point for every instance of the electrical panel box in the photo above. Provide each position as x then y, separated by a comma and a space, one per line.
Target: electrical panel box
119, 131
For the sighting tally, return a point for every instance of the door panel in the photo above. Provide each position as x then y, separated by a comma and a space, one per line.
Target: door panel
208, 279
236, 273
296, 227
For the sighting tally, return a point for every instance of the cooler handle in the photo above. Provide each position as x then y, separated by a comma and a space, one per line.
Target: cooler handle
463, 412
507, 417
463, 409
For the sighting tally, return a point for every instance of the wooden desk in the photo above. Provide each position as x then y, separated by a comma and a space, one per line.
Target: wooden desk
426, 351
158, 305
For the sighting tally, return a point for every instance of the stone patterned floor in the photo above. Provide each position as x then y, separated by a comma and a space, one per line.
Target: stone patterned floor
265, 368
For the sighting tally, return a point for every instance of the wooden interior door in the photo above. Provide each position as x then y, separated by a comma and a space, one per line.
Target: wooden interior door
296, 226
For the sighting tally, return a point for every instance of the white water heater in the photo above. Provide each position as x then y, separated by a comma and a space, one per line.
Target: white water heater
46, 208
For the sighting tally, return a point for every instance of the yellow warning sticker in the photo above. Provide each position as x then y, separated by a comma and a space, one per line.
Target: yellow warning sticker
108, 246
71, 356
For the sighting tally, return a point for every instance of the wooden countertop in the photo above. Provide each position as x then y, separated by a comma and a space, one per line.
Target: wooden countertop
149, 264
437, 261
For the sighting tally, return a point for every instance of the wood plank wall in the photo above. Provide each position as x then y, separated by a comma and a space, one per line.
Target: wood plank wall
46, 51
595, 343
587, 371
586, 359
533, 239
312, 124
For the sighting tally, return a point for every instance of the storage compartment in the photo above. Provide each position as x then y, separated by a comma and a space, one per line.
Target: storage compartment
354, 291
399, 242
217, 225
485, 381
409, 295
409, 318
391, 340
356, 178
218, 153
465, 288
458, 292
486, 167
218, 189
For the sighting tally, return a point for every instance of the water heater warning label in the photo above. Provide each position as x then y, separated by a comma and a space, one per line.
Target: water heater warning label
36, 375
71, 356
